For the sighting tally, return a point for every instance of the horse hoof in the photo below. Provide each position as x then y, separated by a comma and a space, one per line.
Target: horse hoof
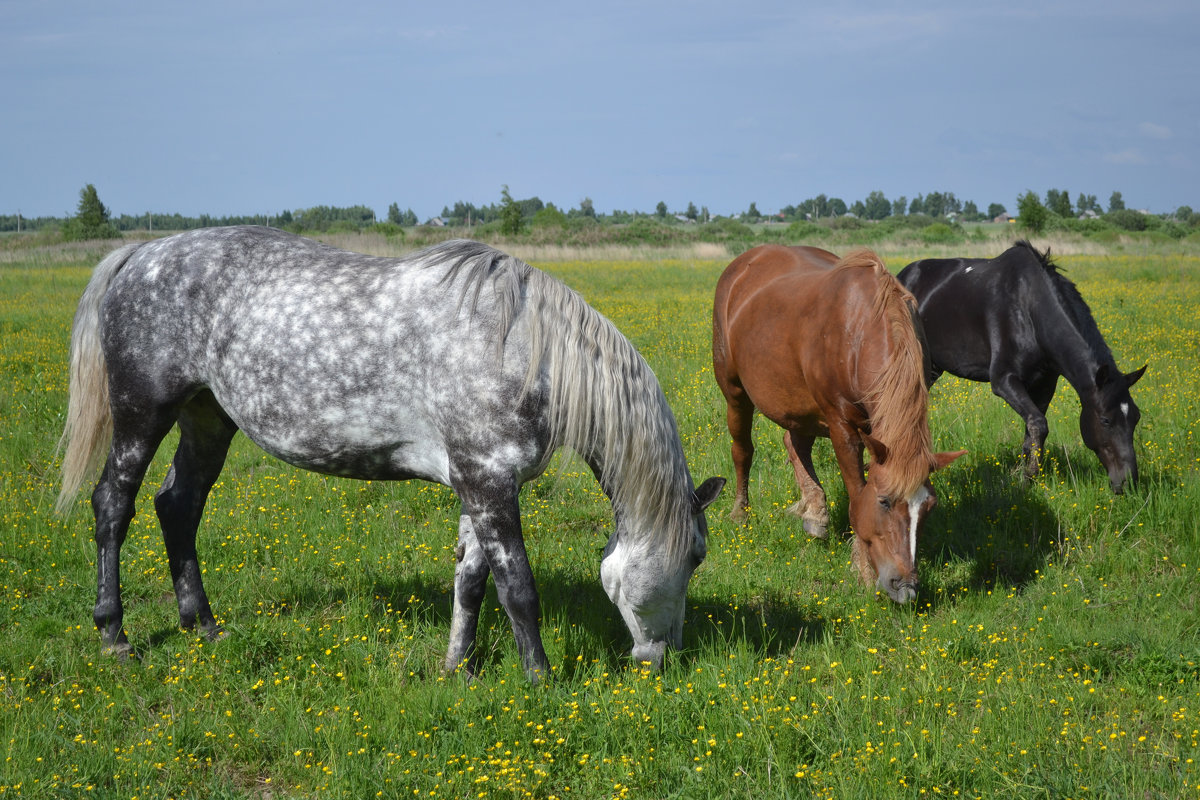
122, 651
816, 529
739, 514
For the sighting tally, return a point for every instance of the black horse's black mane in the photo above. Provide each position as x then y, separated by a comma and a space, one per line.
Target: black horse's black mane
1070, 299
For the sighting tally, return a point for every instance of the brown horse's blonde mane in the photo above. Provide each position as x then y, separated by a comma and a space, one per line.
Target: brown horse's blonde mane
897, 399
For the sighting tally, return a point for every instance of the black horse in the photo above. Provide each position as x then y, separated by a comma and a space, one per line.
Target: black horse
1015, 321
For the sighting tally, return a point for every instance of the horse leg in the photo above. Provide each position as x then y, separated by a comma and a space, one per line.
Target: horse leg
848, 449
135, 439
1013, 391
495, 517
205, 432
812, 508
470, 582
739, 416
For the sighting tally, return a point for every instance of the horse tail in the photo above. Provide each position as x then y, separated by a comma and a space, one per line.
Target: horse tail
88, 429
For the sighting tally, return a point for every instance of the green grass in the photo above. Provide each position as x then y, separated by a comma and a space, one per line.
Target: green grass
1053, 651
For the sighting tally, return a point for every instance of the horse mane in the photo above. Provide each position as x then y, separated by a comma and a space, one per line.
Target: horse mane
1071, 301
603, 400
897, 399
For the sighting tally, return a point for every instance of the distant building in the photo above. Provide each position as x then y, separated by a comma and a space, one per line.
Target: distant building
1004, 218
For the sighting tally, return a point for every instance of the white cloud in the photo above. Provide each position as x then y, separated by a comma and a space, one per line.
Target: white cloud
1131, 156
1152, 131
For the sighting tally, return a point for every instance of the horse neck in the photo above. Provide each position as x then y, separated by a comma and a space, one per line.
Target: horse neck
897, 401
1072, 339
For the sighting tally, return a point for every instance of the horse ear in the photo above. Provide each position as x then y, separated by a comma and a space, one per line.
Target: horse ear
1133, 377
942, 460
706, 493
876, 448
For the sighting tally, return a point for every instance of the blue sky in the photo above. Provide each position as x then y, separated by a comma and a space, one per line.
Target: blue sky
256, 107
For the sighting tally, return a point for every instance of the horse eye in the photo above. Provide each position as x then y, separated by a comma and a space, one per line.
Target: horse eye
1106, 422
885, 503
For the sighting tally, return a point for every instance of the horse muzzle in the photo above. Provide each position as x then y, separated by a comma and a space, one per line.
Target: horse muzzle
901, 590
652, 653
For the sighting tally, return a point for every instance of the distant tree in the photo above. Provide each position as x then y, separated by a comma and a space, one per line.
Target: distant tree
394, 215
899, 206
816, 207
971, 211
917, 206
837, 207
1031, 213
858, 209
752, 212
660, 210
876, 206
91, 220
935, 204
1116, 202
549, 217
995, 210
1058, 202
510, 213
691, 212
1184, 214
704, 213
586, 209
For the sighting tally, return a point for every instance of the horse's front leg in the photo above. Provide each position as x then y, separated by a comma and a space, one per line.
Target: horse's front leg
812, 508
848, 449
470, 583
1010, 388
496, 521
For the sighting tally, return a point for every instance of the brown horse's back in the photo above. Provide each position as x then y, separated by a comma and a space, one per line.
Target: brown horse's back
784, 327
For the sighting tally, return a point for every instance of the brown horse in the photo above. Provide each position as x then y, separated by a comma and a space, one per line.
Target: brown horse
829, 348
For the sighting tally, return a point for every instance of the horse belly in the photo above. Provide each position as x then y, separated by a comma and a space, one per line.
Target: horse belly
355, 445
786, 401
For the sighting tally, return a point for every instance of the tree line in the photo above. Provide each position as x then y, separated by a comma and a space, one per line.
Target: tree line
510, 216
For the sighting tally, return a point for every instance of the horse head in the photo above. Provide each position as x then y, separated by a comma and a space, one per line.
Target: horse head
648, 583
1106, 423
886, 522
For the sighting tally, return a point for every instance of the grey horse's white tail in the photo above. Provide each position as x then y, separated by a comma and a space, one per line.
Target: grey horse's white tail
88, 429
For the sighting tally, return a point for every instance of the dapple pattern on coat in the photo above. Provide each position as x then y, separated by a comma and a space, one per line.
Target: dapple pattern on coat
458, 364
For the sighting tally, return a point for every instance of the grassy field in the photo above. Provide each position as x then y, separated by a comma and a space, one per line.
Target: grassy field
1054, 650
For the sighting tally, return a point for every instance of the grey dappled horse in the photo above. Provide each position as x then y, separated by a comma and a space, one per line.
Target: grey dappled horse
458, 364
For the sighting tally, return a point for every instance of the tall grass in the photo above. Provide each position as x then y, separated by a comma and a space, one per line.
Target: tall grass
1053, 650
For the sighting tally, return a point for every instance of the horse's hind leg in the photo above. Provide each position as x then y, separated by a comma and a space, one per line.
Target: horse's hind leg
812, 508
739, 415
470, 582
205, 432
136, 436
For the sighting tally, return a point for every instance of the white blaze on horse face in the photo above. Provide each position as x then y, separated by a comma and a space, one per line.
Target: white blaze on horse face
914, 519
968, 269
1125, 410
